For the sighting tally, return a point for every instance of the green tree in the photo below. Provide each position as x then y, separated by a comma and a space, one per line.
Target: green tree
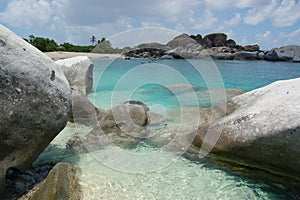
103, 39
93, 39
31, 39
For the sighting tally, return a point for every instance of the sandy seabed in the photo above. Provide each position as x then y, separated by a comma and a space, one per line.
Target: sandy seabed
57, 55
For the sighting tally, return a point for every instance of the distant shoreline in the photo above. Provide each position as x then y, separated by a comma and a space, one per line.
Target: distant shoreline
57, 55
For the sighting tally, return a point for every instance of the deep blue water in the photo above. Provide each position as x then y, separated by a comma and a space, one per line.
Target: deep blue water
116, 81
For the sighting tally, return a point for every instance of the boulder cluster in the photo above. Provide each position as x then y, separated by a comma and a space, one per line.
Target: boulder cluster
215, 46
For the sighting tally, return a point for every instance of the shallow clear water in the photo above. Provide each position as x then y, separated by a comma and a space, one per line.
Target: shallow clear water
181, 178
147, 80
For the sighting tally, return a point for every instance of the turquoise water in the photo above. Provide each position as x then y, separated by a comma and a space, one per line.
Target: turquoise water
149, 80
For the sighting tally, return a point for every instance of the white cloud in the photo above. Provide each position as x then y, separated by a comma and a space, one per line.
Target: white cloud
151, 24
224, 4
280, 13
290, 38
233, 21
206, 22
75, 20
228, 24
286, 14
143, 35
264, 35
92, 12
258, 15
27, 13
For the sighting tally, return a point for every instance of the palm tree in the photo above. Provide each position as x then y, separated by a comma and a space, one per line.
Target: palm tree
31, 39
93, 39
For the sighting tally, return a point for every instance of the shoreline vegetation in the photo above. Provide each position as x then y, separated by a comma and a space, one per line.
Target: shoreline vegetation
214, 46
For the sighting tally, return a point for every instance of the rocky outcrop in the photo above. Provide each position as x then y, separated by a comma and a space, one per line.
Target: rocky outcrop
146, 52
213, 46
245, 55
288, 53
230, 43
128, 117
183, 41
154, 45
251, 48
79, 72
123, 125
271, 56
35, 102
83, 111
262, 127
215, 40
62, 182
198, 38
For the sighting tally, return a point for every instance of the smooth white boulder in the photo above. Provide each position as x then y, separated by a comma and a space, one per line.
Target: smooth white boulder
79, 72
264, 128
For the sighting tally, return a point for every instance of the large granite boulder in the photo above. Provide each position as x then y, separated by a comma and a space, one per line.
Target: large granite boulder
271, 55
62, 182
83, 111
262, 128
198, 38
130, 118
230, 43
215, 40
288, 53
251, 48
35, 102
154, 45
79, 72
123, 125
217, 53
245, 55
145, 52
182, 40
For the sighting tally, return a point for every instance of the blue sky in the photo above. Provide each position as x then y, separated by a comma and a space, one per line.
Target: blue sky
269, 23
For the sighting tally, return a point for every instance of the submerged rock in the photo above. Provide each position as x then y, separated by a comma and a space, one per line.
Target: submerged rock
35, 103
181, 88
123, 125
79, 72
62, 182
130, 118
263, 128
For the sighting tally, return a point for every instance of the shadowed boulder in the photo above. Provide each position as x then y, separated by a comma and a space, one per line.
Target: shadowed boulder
215, 40
62, 182
35, 103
